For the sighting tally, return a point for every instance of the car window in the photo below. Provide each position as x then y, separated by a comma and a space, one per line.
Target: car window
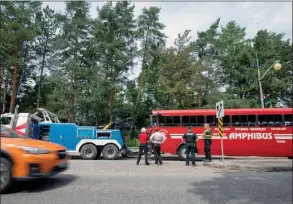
6, 132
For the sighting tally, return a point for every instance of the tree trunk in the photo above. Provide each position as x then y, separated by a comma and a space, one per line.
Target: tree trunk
41, 74
14, 81
112, 92
141, 83
5, 92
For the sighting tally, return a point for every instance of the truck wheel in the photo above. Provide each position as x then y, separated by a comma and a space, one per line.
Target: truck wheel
88, 152
6, 174
110, 152
182, 153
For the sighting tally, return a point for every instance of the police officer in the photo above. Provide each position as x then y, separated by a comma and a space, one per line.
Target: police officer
190, 139
143, 139
207, 137
157, 139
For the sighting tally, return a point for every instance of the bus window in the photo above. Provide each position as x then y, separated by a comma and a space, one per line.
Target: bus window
244, 120
169, 120
278, 120
176, 120
211, 120
185, 120
236, 120
199, 120
288, 120
270, 120
162, 120
192, 120
226, 120
251, 120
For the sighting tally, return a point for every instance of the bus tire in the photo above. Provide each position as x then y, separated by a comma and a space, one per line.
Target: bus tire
182, 152
289, 157
88, 152
6, 174
110, 152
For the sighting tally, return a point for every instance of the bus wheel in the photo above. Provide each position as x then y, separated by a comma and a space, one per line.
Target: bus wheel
182, 152
88, 152
110, 152
5, 174
289, 157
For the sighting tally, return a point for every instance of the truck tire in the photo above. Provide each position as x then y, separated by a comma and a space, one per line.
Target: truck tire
6, 174
110, 152
89, 152
182, 152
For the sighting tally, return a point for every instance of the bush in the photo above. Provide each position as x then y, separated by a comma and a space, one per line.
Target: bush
132, 142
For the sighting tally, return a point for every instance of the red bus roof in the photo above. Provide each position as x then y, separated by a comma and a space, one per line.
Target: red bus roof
243, 111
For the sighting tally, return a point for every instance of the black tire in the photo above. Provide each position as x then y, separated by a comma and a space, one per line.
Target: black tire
110, 152
289, 157
6, 174
182, 153
89, 152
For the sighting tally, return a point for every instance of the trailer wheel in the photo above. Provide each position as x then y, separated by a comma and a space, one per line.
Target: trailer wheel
110, 152
182, 152
6, 174
89, 152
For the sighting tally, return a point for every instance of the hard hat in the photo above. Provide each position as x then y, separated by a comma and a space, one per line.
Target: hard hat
143, 130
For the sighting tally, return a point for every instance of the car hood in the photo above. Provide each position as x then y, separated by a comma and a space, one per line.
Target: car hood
33, 143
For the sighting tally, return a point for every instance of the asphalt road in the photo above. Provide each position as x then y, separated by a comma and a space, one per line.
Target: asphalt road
123, 182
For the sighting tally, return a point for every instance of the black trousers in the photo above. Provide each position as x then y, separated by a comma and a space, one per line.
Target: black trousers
190, 148
207, 149
157, 152
143, 147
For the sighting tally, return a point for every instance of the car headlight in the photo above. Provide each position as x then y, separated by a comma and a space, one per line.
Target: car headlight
33, 150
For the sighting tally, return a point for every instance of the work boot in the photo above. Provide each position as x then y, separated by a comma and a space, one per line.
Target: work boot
186, 164
147, 164
194, 164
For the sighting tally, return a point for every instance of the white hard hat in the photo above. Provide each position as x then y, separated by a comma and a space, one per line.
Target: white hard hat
143, 130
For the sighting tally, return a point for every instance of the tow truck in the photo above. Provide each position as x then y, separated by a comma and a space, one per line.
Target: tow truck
87, 141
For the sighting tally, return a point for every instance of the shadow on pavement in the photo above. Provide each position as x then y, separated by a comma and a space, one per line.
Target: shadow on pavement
40, 185
234, 187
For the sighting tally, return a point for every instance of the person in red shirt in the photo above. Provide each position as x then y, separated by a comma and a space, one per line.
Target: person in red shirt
143, 139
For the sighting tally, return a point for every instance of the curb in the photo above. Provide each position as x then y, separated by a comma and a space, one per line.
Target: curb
251, 168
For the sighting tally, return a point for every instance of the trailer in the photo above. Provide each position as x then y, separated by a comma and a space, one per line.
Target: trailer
87, 141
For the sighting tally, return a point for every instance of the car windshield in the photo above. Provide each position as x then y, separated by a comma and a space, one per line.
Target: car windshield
6, 132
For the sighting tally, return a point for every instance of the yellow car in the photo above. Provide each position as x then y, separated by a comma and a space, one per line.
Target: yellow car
25, 158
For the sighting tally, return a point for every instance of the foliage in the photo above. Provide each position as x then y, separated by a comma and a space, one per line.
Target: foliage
82, 65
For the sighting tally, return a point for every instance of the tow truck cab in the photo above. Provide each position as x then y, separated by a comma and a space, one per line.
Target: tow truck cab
86, 141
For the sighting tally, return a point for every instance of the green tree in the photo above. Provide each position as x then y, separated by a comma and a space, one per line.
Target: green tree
116, 46
69, 72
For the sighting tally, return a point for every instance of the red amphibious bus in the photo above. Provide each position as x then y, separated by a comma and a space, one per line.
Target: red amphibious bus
247, 132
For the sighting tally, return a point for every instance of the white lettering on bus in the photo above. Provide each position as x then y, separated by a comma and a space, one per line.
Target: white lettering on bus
281, 141
258, 129
251, 136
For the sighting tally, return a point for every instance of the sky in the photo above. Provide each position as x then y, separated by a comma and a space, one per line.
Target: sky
198, 16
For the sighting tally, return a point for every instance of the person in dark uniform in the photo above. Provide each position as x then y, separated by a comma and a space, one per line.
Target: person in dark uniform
207, 137
143, 139
190, 139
